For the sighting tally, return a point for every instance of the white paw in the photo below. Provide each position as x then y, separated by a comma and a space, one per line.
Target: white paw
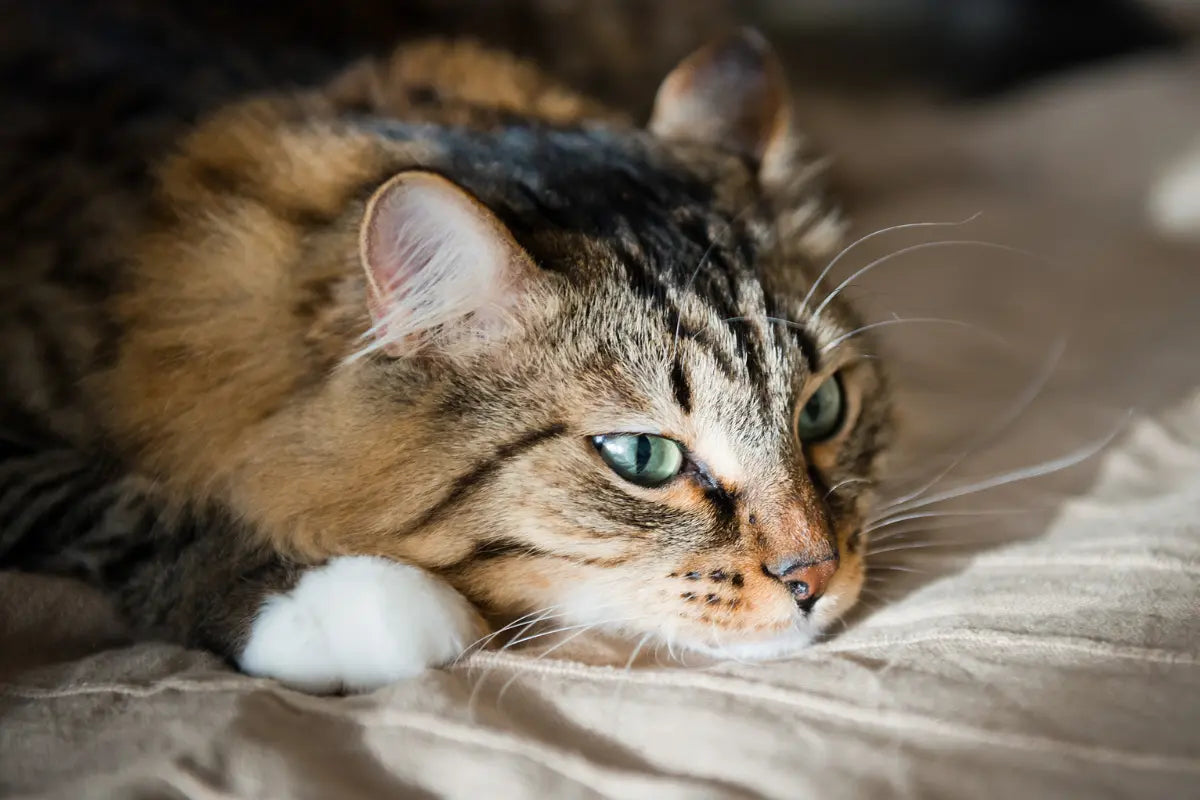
358, 623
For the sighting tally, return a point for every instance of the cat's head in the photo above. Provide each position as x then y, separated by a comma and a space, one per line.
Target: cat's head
585, 371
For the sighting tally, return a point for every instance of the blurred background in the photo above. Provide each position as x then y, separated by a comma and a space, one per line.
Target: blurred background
961, 48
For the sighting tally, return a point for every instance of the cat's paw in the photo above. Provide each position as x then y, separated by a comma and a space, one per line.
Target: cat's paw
358, 623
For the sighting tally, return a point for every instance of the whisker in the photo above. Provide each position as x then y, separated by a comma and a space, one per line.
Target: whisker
1025, 473
902, 569
847, 482
620, 685
876, 604
658, 646
924, 526
482, 641
517, 673
636, 650
892, 520
899, 320
896, 548
563, 629
532, 625
1020, 406
582, 629
874, 235
919, 247
566, 628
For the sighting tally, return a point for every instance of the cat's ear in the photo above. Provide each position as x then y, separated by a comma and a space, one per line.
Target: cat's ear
442, 271
731, 94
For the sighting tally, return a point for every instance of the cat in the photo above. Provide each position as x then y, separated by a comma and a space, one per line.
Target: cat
337, 369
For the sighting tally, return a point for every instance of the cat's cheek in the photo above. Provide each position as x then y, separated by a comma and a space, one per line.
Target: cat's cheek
358, 623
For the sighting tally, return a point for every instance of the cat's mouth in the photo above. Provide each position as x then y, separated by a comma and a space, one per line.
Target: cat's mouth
720, 614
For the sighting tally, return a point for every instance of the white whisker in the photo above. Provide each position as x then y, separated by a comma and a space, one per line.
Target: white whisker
899, 320
483, 641
919, 247
1022, 404
633, 656
895, 568
923, 526
874, 235
896, 548
566, 628
1025, 473
517, 673
887, 521
846, 482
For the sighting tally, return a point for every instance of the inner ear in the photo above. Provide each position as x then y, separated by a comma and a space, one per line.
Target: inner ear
442, 271
730, 94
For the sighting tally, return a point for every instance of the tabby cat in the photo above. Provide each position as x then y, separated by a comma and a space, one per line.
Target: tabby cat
315, 380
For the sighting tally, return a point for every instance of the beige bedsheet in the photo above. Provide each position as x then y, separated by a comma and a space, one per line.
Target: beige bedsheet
1049, 653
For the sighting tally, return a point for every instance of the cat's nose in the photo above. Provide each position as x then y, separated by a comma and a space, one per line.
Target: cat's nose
804, 578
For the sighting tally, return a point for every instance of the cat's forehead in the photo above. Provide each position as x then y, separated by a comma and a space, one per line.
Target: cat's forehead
667, 250
651, 203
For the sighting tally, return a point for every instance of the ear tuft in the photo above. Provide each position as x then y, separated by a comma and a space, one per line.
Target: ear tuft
442, 271
731, 93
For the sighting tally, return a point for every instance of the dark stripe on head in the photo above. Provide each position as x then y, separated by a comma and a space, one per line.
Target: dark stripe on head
679, 382
798, 333
468, 484
807, 347
751, 348
704, 342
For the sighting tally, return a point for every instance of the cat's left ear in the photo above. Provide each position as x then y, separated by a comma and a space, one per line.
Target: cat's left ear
443, 273
731, 94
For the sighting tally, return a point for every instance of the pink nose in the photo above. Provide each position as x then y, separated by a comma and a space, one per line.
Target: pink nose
804, 578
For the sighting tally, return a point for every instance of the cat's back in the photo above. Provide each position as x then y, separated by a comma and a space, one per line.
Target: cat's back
93, 99
89, 100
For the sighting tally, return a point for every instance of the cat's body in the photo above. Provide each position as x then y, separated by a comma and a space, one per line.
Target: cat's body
447, 312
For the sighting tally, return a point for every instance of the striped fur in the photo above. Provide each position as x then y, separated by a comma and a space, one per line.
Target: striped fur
204, 336
192, 575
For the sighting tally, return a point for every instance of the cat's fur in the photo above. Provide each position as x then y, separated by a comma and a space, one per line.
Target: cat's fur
232, 324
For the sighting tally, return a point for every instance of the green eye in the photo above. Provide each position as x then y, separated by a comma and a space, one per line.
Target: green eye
822, 414
641, 458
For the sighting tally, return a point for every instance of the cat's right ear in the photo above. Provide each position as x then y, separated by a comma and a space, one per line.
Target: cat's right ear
442, 271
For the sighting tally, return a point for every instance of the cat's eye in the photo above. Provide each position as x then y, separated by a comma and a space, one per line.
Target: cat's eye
822, 414
641, 458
